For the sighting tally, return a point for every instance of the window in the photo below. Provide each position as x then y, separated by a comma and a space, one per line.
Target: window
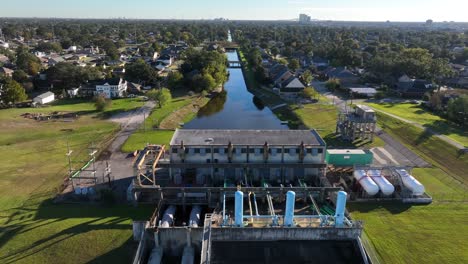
174, 151
309, 151
251, 150
216, 150
298, 151
216, 160
197, 151
186, 150
320, 151
243, 150
208, 150
208, 160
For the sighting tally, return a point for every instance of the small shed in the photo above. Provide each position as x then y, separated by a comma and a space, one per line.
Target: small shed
45, 98
348, 157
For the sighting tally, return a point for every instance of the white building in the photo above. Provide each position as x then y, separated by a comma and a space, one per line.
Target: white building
44, 98
274, 155
112, 88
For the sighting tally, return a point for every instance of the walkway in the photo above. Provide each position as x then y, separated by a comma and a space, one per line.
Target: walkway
394, 152
426, 129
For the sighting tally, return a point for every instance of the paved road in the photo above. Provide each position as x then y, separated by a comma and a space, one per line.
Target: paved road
120, 163
393, 153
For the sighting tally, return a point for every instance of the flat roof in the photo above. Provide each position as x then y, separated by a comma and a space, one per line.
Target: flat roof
346, 151
197, 137
365, 108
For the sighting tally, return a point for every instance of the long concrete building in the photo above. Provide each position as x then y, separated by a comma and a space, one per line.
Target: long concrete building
260, 191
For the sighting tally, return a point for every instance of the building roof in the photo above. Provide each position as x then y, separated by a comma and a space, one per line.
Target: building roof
210, 137
346, 151
363, 90
45, 95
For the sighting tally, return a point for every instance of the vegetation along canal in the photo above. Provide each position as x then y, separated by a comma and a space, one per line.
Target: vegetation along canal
236, 107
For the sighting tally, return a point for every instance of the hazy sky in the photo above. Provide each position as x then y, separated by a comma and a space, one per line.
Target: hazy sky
369, 10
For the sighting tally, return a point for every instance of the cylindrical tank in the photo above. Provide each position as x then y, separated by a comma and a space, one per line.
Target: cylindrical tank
411, 183
366, 182
289, 212
195, 216
385, 186
168, 217
340, 208
239, 208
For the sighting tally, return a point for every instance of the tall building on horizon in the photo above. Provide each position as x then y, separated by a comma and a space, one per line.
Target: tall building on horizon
303, 18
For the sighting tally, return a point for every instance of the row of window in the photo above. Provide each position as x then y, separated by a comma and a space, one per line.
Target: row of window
313, 151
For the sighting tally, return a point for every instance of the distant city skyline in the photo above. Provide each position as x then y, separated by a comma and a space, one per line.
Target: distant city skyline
345, 10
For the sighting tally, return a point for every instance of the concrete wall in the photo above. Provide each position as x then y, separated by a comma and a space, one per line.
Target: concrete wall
274, 234
173, 240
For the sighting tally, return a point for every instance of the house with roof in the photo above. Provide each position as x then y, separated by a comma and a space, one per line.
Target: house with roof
291, 87
165, 60
357, 92
6, 71
409, 87
133, 88
111, 88
55, 60
346, 77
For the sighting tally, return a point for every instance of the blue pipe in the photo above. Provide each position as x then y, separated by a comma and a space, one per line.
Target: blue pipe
340, 208
290, 202
239, 209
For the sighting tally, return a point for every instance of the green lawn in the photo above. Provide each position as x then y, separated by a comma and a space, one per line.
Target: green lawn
418, 114
140, 139
434, 233
431, 148
411, 233
32, 230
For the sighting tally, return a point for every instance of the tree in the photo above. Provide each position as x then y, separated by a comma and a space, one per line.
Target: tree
310, 92
307, 77
162, 96
139, 71
49, 46
294, 65
20, 76
174, 79
27, 61
333, 84
102, 103
457, 109
11, 91
65, 75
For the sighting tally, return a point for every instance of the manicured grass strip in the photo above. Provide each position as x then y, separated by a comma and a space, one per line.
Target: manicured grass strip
140, 139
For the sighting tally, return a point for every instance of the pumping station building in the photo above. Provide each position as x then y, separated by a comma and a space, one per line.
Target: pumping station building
242, 196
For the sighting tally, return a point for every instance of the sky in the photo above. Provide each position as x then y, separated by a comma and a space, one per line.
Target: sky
349, 10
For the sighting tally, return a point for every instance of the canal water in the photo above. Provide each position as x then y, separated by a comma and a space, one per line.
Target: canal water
236, 107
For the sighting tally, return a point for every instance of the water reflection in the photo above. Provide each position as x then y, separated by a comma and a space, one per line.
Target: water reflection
215, 105
258, 103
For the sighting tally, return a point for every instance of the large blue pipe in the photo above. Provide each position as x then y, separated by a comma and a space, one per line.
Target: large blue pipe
239, 208
289, 214
340, 208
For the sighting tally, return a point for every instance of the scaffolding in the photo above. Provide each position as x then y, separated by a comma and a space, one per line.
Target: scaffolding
85, 175
359, 124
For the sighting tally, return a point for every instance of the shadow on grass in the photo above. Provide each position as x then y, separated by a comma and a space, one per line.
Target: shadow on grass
392, 207
122, 254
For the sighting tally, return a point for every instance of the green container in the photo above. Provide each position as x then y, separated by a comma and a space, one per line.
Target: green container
348, 157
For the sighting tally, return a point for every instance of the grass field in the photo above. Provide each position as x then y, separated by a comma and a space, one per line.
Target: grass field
418, 114
33, 230
434, 233
411, 233
179, 110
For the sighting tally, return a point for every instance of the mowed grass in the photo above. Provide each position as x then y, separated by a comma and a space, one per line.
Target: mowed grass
140, 139
435, 233
431, 148
418, 114
34, 165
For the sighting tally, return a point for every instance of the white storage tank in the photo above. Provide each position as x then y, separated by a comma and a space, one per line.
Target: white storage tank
411, 183
385, 186
366, 182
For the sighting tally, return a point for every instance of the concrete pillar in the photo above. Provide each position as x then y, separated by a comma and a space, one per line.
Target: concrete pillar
239, 209
340, 208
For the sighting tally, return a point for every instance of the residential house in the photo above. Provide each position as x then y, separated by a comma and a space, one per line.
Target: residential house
133, 88
346, 77
112, 88
278, 73
73, 92
291, 87
357, 92
409, 87
165, 60
44, 98
6, 71
55, 60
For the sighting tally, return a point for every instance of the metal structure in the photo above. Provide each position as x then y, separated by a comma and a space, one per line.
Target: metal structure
86, 173
359, 124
